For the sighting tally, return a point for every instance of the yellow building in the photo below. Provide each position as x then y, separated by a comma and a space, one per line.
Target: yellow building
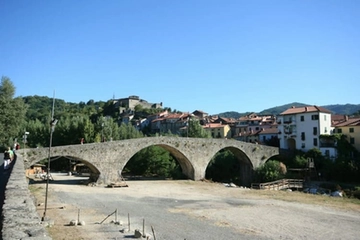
350, 127
217, 130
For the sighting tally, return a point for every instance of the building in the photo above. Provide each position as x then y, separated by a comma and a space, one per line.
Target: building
248, 127
300, 128
172, 122
132, 101
350, 127
218, 130
268, 136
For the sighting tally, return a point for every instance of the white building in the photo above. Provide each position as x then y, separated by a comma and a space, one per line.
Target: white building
300, 128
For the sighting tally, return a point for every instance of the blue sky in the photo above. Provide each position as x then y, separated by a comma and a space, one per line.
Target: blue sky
213, 56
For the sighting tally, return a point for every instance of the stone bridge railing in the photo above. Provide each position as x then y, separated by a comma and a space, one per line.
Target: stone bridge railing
20, 218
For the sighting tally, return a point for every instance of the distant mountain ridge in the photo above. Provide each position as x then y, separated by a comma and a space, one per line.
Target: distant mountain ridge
341, 109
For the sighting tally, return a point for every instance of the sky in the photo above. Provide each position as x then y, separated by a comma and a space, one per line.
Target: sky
213, 56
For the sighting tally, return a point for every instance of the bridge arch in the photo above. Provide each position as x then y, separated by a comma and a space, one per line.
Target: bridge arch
193, 154
245, 172
185, 164
94, 171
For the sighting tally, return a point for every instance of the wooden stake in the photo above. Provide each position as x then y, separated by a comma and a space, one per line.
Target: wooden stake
152, 229
129, 221
143, 227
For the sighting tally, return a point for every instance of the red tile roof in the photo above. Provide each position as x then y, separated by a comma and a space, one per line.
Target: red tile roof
349, 122
297, 110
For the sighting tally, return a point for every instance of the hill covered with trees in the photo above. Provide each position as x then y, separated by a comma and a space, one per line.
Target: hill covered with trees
341, 109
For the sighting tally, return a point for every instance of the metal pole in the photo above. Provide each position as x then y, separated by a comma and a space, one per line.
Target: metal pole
48, 165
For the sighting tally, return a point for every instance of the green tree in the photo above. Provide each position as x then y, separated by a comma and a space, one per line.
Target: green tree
128, 131
272, 170
195, 130
224, 167
152, 161
38, 133
12, 113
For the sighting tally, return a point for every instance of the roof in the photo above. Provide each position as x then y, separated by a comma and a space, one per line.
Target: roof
214, 125
306, 109
199, 111
269, 131
227, 120
350, 122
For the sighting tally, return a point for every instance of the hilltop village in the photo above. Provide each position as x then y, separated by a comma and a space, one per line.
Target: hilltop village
297, 128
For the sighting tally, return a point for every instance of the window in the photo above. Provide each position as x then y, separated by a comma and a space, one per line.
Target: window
302, 118
315, 142
352, 140
324, 117
303, 145
314, 117
351, 130
325, 130
315, 130
339, 130
257, 128
303, 136
327, 153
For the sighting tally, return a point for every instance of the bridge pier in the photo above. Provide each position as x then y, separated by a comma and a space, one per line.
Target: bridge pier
246, 175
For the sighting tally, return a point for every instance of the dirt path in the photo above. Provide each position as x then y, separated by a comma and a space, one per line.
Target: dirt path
195, 210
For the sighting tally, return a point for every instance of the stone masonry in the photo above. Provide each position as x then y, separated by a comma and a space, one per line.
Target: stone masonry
20, 218
106, 160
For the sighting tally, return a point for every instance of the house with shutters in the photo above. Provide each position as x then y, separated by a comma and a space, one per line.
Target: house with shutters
300, 128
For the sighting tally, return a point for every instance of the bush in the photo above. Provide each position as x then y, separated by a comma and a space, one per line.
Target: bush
270, 171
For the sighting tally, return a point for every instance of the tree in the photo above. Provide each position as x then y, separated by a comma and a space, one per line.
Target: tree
224, 167
151, 161
12, 113
270, 171
195, 130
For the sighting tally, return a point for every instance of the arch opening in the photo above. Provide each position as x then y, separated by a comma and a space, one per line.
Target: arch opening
230, 165
63, 170
158, 161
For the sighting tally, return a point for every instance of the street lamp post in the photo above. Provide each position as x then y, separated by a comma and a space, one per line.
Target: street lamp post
102, 132
24, 141
187, 127
52, 128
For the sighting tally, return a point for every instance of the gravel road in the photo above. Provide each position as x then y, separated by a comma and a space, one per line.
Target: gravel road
189, 210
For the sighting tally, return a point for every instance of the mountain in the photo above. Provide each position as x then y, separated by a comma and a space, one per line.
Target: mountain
344, 109
279, 109
341, 109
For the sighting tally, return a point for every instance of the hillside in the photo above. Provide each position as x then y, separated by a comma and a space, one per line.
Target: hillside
39, 108
342, 109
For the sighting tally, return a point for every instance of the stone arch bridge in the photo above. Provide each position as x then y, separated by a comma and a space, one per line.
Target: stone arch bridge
107, 160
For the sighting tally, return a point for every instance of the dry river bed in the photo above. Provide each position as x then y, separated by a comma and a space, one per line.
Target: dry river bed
193, 210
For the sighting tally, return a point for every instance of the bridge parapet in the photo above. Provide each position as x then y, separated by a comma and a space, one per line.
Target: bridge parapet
20, 218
